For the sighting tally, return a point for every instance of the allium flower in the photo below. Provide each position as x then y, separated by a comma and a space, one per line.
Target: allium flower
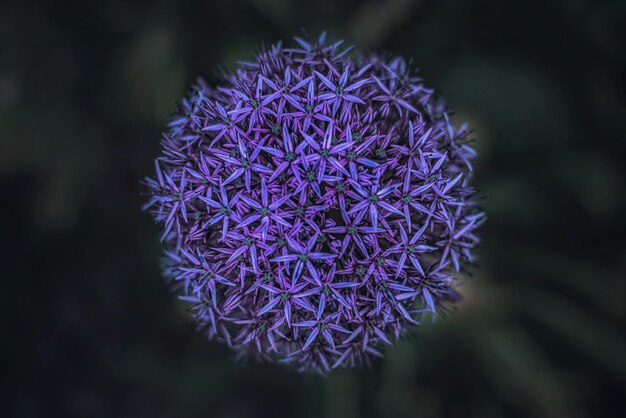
314, 205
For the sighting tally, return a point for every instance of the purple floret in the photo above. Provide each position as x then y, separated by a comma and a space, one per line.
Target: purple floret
314, 205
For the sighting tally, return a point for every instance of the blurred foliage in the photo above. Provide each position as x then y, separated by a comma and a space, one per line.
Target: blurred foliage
88, 327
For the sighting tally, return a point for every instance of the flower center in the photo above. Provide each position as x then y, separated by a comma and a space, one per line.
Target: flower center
290, 157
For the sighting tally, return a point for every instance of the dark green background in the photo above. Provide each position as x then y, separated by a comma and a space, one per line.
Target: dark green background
88, 327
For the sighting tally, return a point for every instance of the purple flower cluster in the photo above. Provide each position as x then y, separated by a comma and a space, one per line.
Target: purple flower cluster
315, 205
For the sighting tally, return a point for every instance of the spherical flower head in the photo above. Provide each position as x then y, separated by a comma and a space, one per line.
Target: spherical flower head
314, 205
